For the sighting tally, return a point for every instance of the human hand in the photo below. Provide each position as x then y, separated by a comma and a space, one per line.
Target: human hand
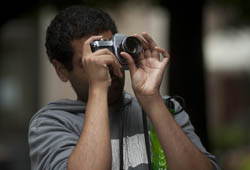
96, 65
147, 72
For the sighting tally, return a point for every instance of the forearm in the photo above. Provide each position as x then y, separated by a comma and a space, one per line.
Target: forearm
180, 152
93, 150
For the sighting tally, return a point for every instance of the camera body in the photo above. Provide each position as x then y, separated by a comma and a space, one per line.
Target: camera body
117, 44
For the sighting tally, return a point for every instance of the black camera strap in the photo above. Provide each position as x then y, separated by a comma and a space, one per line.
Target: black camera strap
121, 128
147, 139
170, 105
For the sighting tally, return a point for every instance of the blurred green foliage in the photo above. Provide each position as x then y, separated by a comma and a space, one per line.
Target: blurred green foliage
245, 163
224, 138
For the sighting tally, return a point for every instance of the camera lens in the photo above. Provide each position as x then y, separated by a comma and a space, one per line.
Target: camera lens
132, 45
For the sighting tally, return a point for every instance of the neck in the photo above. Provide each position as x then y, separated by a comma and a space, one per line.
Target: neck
117, 102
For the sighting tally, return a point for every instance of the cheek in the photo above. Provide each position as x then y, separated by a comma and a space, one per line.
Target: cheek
81, 89
79, 82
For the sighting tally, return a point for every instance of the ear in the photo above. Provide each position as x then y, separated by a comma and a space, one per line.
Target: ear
61, 71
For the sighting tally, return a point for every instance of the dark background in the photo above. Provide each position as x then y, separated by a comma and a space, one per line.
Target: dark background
217, 101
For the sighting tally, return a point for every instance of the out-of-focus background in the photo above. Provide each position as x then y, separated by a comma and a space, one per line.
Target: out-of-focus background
209, 44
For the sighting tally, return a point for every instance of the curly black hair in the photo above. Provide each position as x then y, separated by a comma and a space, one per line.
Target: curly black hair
71, 24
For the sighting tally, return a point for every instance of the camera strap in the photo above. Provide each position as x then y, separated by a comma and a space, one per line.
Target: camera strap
170, 105
146, 137
121, 128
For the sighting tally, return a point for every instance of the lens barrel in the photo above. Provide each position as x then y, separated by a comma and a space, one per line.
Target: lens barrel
132, 45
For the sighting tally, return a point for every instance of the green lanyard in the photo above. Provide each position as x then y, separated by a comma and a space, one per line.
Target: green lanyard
158, 156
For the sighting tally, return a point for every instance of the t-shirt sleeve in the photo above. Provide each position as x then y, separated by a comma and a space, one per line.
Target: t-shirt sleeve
184, 122
51, 142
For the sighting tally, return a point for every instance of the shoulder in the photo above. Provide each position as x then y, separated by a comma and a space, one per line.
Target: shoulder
57, 113
53, 132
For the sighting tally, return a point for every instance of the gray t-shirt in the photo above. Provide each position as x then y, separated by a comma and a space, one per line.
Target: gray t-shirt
56, 128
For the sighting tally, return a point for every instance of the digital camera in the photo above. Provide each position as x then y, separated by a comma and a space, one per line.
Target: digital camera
119, 43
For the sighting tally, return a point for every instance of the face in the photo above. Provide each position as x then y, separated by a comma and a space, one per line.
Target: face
78, 77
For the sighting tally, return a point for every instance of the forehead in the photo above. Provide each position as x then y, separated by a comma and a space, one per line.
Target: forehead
78, 44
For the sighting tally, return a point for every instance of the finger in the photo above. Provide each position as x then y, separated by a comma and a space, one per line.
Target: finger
107, 54
150, 41
113, 61
117, 68
165, 54
103, 51
130, 61
145, 46
86, 44
144, 43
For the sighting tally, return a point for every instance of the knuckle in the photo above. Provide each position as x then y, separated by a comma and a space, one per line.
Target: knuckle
88, 58
106, 51
91, 59
84, 62
86, 42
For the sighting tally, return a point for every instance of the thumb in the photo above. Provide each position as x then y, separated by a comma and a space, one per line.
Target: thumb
131, 64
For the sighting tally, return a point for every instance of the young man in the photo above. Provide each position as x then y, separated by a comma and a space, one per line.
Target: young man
84, 134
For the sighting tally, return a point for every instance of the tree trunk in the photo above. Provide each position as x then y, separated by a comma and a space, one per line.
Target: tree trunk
186, 77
